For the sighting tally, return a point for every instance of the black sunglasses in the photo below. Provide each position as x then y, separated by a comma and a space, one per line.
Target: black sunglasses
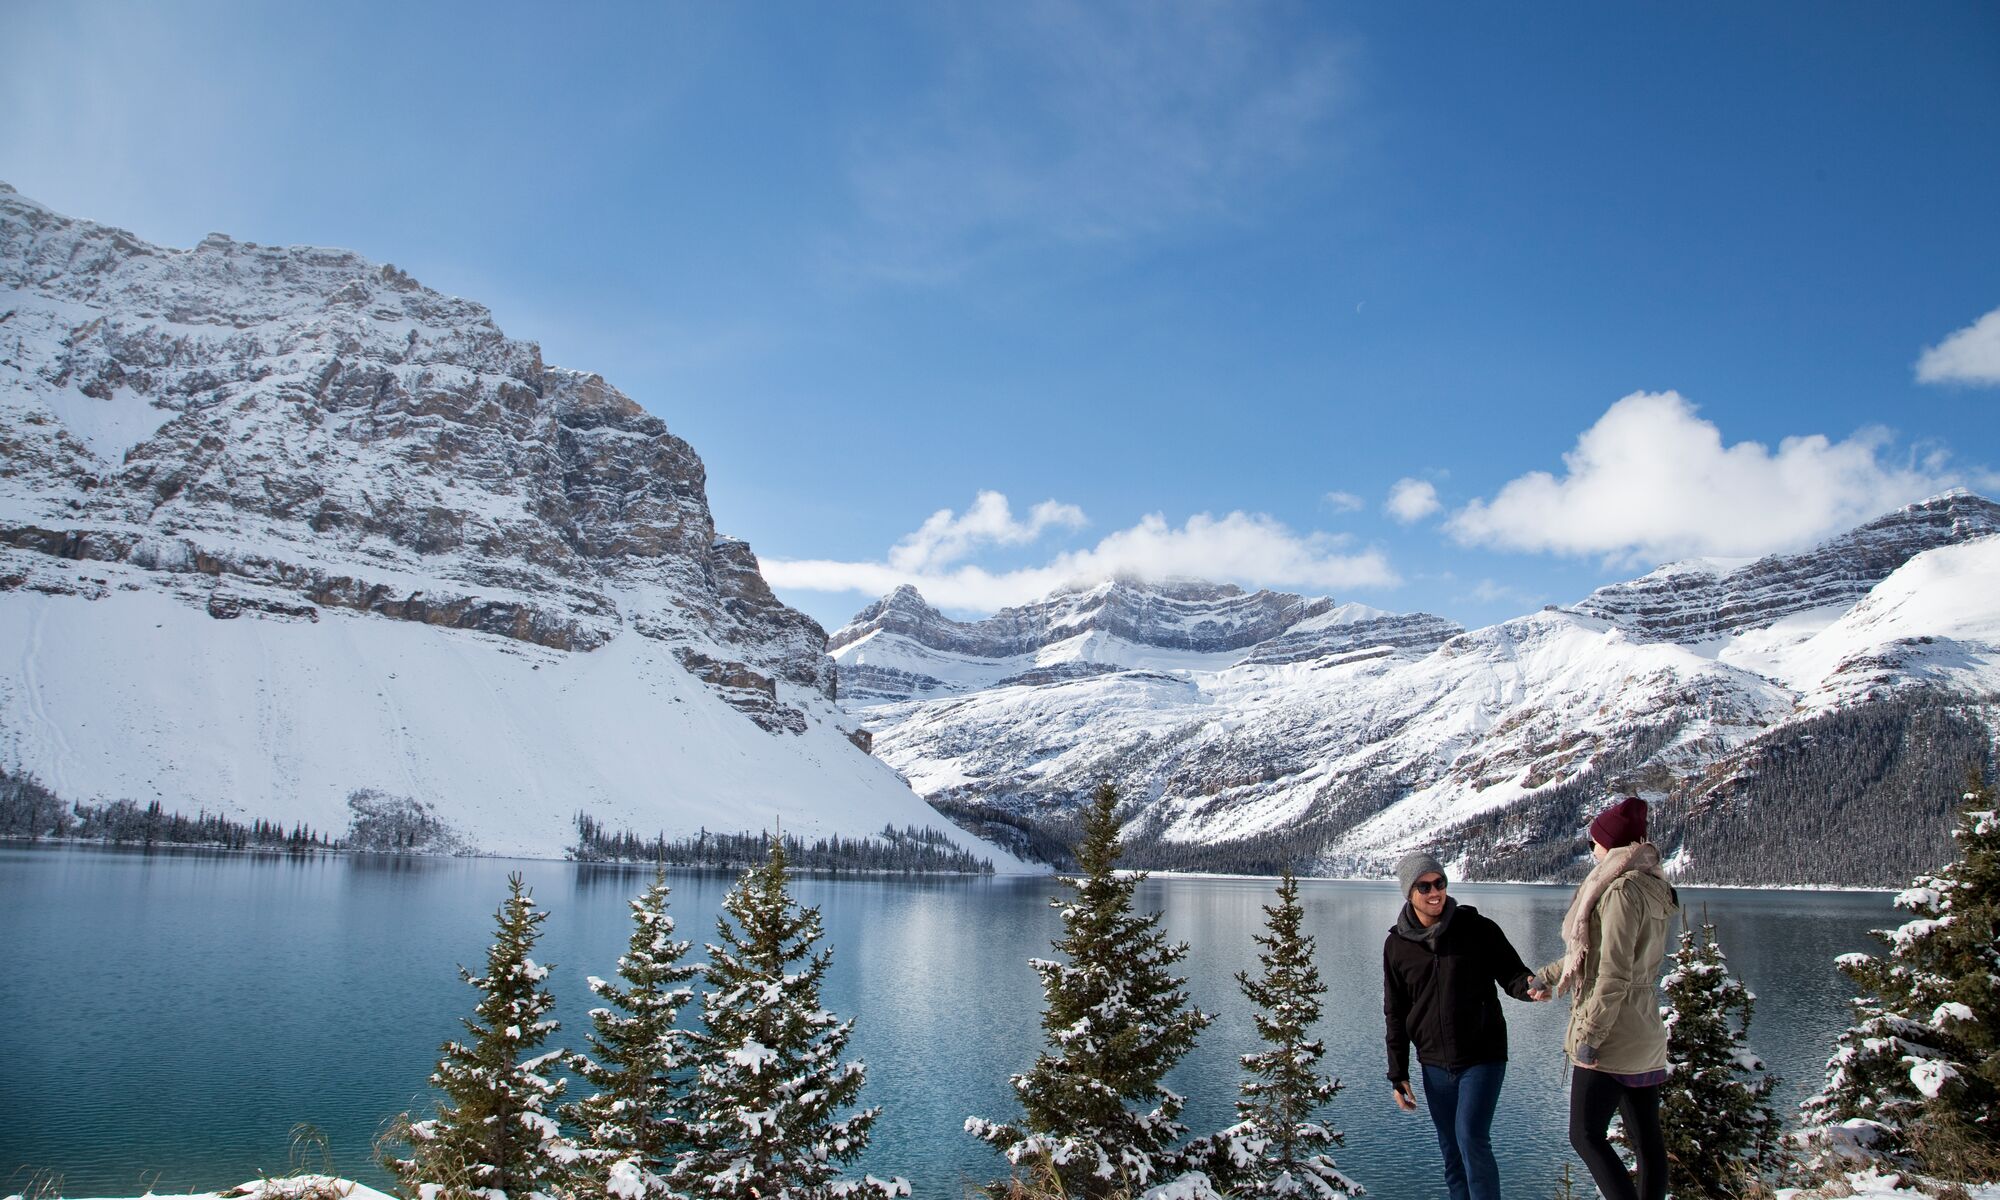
1425, 887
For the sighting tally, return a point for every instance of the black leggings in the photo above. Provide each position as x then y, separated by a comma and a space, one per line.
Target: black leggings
1593, 1097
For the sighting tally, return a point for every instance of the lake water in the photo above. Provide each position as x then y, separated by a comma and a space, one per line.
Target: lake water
166, 1019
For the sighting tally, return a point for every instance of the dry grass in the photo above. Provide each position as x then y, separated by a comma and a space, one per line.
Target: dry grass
310, 1173
1036, 1181
396, 1136
1953, 1152
40, 1184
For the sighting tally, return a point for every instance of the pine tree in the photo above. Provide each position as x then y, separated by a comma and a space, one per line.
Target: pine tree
1918, 1073
1721, 1132
630, 1126
763, 1116
492, 1135
1276, 1148
1117, 1020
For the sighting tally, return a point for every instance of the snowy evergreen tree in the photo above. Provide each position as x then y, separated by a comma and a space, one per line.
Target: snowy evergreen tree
763, 1117
492, 1135
632, 1123
1918, 1073
1722, 1135
1277, 1148
1117, 1020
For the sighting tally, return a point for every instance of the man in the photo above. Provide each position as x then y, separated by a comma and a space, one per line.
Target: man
1440, 969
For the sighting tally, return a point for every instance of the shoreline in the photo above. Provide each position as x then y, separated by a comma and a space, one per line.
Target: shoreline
823, 872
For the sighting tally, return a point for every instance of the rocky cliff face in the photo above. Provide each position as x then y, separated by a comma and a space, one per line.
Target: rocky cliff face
307, 423
900, 647
1203, 618
280, 527
1697, 600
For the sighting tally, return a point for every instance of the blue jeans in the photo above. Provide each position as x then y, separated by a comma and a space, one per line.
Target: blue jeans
1462, 1104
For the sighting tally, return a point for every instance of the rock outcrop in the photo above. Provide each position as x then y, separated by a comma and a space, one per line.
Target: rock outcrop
900, 647
280, 527
310, 422
1700, 599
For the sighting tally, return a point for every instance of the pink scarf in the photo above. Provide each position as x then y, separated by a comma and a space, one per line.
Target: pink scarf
1641, 857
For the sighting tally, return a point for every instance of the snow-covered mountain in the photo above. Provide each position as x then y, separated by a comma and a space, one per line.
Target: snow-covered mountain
1245, 729
279, 525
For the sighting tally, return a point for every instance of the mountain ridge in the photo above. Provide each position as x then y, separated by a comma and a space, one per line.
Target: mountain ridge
309, 445
1348, 756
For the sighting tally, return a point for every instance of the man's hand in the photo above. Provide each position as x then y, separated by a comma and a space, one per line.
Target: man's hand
1536, 991
1405, 1098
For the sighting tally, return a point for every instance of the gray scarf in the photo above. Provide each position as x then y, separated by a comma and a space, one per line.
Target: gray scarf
1408, 926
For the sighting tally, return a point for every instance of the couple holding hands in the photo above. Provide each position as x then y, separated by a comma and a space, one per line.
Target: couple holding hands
1443, 965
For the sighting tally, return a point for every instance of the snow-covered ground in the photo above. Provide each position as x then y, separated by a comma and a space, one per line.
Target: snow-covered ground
1873, 1185
290, 1187
1861, 1185
140, 695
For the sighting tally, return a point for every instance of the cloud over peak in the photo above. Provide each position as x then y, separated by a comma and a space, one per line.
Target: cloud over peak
1651, 480
947, 537
1253, 549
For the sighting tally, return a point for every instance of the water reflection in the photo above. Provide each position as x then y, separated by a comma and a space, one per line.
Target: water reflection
178, 1012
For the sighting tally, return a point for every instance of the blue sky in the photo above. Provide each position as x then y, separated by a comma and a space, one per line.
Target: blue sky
1178, 288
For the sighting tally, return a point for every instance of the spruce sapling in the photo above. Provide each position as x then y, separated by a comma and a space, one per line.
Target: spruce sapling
1715, 1108
632, 1123
1917, 1076
1277, 1148
492, 1135
1116, 1020
764, 1112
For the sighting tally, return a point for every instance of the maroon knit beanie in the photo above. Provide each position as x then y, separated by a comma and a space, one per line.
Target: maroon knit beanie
1621, 824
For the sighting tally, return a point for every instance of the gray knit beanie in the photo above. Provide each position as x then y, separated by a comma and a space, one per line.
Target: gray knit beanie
1415, 865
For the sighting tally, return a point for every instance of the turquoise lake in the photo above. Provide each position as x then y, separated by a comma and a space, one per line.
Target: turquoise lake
167, 1018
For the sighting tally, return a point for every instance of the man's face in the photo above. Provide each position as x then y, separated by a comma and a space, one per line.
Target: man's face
1428, 903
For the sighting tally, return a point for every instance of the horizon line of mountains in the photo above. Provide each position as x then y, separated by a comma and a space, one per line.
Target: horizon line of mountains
286, 535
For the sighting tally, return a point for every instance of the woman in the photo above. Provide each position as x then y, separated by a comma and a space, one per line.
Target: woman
1442, 966
1614, 935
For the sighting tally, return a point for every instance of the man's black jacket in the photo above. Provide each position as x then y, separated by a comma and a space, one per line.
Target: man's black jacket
1438, 990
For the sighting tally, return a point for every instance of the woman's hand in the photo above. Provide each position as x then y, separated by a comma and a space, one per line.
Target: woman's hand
1405, 1098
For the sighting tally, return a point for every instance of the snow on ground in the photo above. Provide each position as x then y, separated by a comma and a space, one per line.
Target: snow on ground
1933, 618
1860, 1185
1873, 1185
292, 1187
142, 695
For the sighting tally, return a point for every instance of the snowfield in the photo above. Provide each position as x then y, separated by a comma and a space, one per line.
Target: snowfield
142, 695
1387, 741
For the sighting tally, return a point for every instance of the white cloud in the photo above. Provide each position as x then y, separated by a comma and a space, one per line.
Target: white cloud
1971, 355
947, 537
1056, 123
1651, 481
1252, 549
1344, 502
1412, 500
